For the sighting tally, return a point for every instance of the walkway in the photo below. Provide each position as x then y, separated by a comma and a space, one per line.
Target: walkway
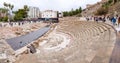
115, 57
19, 42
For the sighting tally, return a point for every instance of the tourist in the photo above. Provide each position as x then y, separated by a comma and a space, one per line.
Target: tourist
19, 23
103, 19
96, 19
118, 21
87, 18
22, 22
113, 20
11, 24
100, 18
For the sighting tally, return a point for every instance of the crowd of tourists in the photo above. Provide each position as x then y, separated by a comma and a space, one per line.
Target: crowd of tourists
115, 20
19, 23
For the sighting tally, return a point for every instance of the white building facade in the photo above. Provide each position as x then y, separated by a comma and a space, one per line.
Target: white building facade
33, 12
60, 14
49, 14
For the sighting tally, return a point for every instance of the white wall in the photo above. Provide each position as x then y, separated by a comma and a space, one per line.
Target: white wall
49, 14
60, 15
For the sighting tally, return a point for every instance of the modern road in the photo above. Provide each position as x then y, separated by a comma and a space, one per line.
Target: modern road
19, 42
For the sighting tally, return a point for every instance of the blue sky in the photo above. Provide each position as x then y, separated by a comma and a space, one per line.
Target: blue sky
61, 5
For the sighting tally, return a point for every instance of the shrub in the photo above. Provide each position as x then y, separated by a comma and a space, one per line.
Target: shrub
102, 11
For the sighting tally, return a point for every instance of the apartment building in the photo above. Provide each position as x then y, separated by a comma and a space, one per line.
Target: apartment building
33, 12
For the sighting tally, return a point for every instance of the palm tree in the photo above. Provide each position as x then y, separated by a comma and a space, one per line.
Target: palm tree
26, 8
12, 6
8, 7
5, 10
5, 4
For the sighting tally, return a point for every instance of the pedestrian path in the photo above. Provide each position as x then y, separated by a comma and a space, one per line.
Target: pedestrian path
115, 57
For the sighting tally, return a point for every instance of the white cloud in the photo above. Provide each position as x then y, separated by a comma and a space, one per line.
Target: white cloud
60, 5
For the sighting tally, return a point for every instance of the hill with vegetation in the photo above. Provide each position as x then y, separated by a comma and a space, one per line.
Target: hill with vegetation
115, 8
108, 7
111, 7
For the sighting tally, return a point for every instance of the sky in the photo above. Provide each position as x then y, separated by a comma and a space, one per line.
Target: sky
57, 5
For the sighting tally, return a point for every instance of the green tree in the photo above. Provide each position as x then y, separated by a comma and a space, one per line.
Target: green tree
72, 12
5, 4
77, 11
26, 8
9, 7
65, 13
3, 10
80, 9
20, 14
5, 19
4, 13
12, 6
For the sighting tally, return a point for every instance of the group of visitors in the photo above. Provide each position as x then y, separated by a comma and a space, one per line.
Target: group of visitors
19, 23
99, 18
96, 18
115, 20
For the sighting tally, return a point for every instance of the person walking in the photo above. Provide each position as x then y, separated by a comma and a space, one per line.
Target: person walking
118, 21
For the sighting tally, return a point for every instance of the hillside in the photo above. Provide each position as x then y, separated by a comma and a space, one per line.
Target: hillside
113, 8
89, 11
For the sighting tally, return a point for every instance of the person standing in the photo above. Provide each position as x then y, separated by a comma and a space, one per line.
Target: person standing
113, 20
